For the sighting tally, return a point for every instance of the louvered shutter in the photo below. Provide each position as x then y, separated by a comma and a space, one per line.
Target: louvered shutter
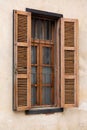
22, 60
69, 62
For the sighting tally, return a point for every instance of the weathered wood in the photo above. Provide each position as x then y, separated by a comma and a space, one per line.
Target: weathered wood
69, 62
22, 62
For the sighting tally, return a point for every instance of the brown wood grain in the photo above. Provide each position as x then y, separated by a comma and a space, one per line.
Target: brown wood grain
67, 73
22, 102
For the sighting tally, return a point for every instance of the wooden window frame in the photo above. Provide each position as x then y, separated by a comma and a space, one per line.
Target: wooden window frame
53, 17
44, 43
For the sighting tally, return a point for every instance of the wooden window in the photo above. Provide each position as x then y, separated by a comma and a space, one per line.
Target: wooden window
45, 61
42, 51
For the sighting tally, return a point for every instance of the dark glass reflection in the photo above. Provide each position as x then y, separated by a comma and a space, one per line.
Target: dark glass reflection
47, 74
46, 95
33, 55
46, 55
33, 95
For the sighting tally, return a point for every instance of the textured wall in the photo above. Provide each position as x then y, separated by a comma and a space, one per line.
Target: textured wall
70, 119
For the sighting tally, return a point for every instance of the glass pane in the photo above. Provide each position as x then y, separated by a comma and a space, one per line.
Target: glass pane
47, 74
33, 55
35, 30
46, 55
48, 30
46, 95
33, 75
33, 95
40, 29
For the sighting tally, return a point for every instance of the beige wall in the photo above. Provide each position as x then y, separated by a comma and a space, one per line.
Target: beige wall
70, 119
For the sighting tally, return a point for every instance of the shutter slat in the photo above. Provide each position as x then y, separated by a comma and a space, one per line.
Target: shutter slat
69, 62
69, 34
22, 61
22, 28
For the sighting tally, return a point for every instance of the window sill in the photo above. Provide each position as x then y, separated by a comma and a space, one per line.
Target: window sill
43, 110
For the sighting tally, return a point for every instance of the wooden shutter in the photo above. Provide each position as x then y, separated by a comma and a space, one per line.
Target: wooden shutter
69, 62
22, 60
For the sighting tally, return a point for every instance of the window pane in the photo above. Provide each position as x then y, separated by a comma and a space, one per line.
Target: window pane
33, 95
33, 55
35, 30
33, 75
46, 55
46, 95
47, 74
41, 29
48, 30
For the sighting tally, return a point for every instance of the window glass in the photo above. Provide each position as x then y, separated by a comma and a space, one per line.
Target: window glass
33, 55
33, 95
46, 95
41, 29
47, 74
46, 55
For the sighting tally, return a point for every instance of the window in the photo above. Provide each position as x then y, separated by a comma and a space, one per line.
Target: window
42, 62
45, 61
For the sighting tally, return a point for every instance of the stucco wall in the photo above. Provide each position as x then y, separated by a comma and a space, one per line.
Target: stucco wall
70, 119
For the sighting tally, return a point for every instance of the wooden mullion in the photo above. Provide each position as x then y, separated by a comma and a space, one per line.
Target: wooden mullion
44, 65
46, 42
34, 65
40, 70
48, 45
38, 96
42, 106
34, 44
52, 75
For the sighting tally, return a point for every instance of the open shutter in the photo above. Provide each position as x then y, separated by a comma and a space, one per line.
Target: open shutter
22, 60
69, 62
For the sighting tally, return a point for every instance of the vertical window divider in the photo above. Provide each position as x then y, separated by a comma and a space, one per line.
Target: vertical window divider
40, 73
